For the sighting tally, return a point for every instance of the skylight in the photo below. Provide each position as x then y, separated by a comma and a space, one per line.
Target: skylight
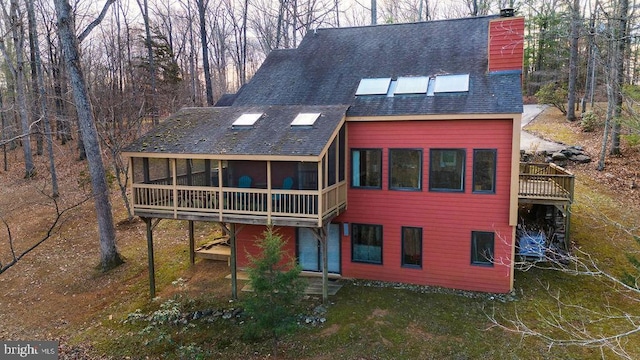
412, 85
246, 120
305, 119
451, 83
377, 86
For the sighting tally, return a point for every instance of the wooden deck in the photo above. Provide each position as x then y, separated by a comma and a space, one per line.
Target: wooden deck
218, 249
545, 184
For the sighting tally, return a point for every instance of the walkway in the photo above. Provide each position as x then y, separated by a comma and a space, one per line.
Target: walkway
529, 141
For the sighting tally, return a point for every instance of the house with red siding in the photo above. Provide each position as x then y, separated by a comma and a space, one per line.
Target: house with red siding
386, 152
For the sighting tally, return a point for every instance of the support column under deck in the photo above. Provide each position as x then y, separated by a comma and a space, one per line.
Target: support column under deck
192, 245
232, 262
152, 272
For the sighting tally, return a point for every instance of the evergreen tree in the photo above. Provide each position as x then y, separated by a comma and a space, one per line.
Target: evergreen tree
277, 290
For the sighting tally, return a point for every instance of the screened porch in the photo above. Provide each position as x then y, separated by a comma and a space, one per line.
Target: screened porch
291, 193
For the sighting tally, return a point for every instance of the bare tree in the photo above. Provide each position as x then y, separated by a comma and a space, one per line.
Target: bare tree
202, 12
620, 40
13, 19
153, 109
42, 95
109, 256
576, 21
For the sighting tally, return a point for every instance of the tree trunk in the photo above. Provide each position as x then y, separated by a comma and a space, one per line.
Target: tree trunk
573, 60
153, 108
18, 72
243, 71
202, 7
63, 128
620, 40
109, 256
374, 12
35, 53
34, 83
4, 133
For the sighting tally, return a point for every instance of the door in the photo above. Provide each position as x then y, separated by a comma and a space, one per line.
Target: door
310, 251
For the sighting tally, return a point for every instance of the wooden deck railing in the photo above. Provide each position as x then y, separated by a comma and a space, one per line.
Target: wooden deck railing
545, 181
218, 203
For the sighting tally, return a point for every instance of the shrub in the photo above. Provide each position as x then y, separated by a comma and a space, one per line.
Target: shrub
590, 121
554, 95
632, 140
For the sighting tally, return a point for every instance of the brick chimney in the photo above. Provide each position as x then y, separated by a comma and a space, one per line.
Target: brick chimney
506, 42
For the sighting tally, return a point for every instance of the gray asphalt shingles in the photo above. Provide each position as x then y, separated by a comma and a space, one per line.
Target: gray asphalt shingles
329, 63
210, 131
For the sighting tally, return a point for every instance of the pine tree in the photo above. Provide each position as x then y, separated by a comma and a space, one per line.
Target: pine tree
277, 290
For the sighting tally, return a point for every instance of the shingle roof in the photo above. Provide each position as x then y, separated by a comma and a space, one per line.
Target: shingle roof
329, 63
209, 131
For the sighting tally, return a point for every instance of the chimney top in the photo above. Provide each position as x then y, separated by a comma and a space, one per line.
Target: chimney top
507, 12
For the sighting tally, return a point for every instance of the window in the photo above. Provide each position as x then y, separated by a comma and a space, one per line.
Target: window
366, 243
366, 168
446, 170
411, 247
482, 248
484, 171
405, 169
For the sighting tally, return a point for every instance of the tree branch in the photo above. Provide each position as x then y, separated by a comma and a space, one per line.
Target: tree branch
95, 22
50, 231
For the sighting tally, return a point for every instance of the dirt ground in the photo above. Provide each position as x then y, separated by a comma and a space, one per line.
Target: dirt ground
56, 292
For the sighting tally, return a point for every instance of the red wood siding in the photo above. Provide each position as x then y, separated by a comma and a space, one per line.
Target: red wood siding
447, 218
506, 44
246, 241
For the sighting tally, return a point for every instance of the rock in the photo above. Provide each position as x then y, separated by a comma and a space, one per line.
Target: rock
558, 156
319, 310
581, 159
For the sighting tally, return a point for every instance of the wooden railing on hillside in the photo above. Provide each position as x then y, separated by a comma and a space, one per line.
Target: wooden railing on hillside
545, 181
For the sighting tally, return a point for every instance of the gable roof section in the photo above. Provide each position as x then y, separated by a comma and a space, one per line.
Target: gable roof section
210, 131
329, 63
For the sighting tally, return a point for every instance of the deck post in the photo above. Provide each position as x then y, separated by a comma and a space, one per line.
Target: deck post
152, 272
321, 236
325, 266
232, 262
192, 245
567, 227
